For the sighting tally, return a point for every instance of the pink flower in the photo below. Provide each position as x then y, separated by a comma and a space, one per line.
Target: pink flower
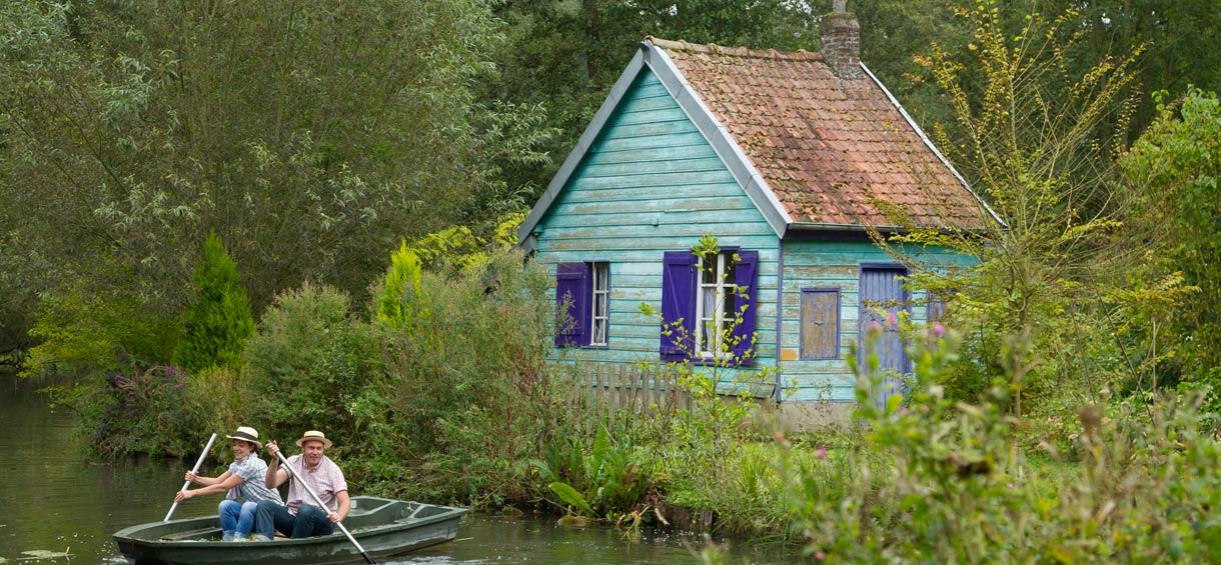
821, 453
891, 319
902, 409
819, 555
939, 329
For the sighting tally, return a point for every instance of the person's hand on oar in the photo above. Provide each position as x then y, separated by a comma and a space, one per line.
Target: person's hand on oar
274, 451
327, 476
182, 492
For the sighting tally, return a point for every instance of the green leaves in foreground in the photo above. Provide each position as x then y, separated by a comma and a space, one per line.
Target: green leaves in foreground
571, 497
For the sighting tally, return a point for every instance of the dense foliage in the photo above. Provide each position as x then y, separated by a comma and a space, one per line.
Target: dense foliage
933, 479
1174, 172
1070, 415
309, 138
1038, 134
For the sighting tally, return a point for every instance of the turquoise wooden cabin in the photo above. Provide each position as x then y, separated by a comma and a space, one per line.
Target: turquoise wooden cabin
786, 158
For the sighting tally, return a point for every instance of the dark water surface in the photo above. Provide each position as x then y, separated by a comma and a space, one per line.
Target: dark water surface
53, 497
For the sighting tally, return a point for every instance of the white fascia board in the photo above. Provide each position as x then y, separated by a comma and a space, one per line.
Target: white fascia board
740, 166
928, 143
524, 233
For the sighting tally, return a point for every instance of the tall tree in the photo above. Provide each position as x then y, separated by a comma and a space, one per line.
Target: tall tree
1174, 173
218, 320
1178, 38
311, 136
1026, 139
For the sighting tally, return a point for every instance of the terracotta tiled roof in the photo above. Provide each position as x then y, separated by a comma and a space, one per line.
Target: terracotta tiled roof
833, 151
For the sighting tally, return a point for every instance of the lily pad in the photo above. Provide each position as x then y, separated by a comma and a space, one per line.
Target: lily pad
575, 521
39, 554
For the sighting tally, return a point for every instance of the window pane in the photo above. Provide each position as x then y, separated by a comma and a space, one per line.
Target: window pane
599, 332
708, 271
727, 277
728, 307
600, 305
602, 277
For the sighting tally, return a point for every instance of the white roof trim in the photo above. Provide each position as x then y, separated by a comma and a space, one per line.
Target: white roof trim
740, 166
928, 143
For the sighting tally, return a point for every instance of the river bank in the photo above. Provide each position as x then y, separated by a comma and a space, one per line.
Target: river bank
58, 497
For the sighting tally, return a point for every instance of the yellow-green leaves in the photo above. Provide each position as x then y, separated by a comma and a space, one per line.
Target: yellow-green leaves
401, 288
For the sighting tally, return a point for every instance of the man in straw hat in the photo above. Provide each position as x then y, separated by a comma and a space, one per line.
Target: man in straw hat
300, 518
244, 483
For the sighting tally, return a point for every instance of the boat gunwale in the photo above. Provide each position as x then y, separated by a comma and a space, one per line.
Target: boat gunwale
125, 535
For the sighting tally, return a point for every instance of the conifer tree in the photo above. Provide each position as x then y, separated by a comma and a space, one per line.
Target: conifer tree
219, 319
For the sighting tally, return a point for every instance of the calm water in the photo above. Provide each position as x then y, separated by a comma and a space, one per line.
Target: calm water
53, 498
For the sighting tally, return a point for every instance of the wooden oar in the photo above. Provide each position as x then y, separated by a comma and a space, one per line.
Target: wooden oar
195, 469
314, 495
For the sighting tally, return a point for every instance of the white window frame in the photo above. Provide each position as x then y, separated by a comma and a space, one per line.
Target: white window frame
594, 318
722, 287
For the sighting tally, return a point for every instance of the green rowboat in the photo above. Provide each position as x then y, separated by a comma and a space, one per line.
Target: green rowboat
384, 527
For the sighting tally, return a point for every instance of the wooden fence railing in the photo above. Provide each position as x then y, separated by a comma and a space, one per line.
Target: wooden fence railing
629, 388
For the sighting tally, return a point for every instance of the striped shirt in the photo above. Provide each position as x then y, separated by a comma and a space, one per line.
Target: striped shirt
254, 489
326, 479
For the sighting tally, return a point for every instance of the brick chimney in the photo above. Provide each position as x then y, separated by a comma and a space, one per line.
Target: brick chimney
841, 42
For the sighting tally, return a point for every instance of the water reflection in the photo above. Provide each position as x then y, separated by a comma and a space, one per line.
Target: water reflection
53, 498
484, 539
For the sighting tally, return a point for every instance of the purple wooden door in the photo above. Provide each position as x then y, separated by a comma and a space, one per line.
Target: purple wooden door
882, 293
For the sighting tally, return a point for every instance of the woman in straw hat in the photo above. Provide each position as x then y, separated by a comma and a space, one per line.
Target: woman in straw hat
243, 483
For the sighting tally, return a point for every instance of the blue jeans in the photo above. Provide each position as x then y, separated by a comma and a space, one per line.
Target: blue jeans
270, 517
237, 517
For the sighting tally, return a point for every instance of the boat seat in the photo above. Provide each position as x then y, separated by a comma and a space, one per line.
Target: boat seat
208, 532
365, 516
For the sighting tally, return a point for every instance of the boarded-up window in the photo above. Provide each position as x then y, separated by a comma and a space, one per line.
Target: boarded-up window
935, 310
819, 323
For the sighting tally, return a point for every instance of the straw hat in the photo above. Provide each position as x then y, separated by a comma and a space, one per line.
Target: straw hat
314, 435
247, 433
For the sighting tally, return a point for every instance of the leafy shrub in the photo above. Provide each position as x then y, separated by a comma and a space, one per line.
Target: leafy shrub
158, 410
218, 320
936, 479
83, 332
140, 410
1173, 170
464, 401
310, 360
217, 399
398, 291
607, 482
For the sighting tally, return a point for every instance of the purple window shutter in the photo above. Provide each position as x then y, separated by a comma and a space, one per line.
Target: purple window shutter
744, 277
677, 303
572, 281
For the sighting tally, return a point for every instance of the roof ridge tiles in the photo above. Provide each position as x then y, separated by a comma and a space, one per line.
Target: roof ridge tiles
714, 49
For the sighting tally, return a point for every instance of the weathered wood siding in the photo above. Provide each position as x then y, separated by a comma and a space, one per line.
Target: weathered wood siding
651, 183
832, 265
